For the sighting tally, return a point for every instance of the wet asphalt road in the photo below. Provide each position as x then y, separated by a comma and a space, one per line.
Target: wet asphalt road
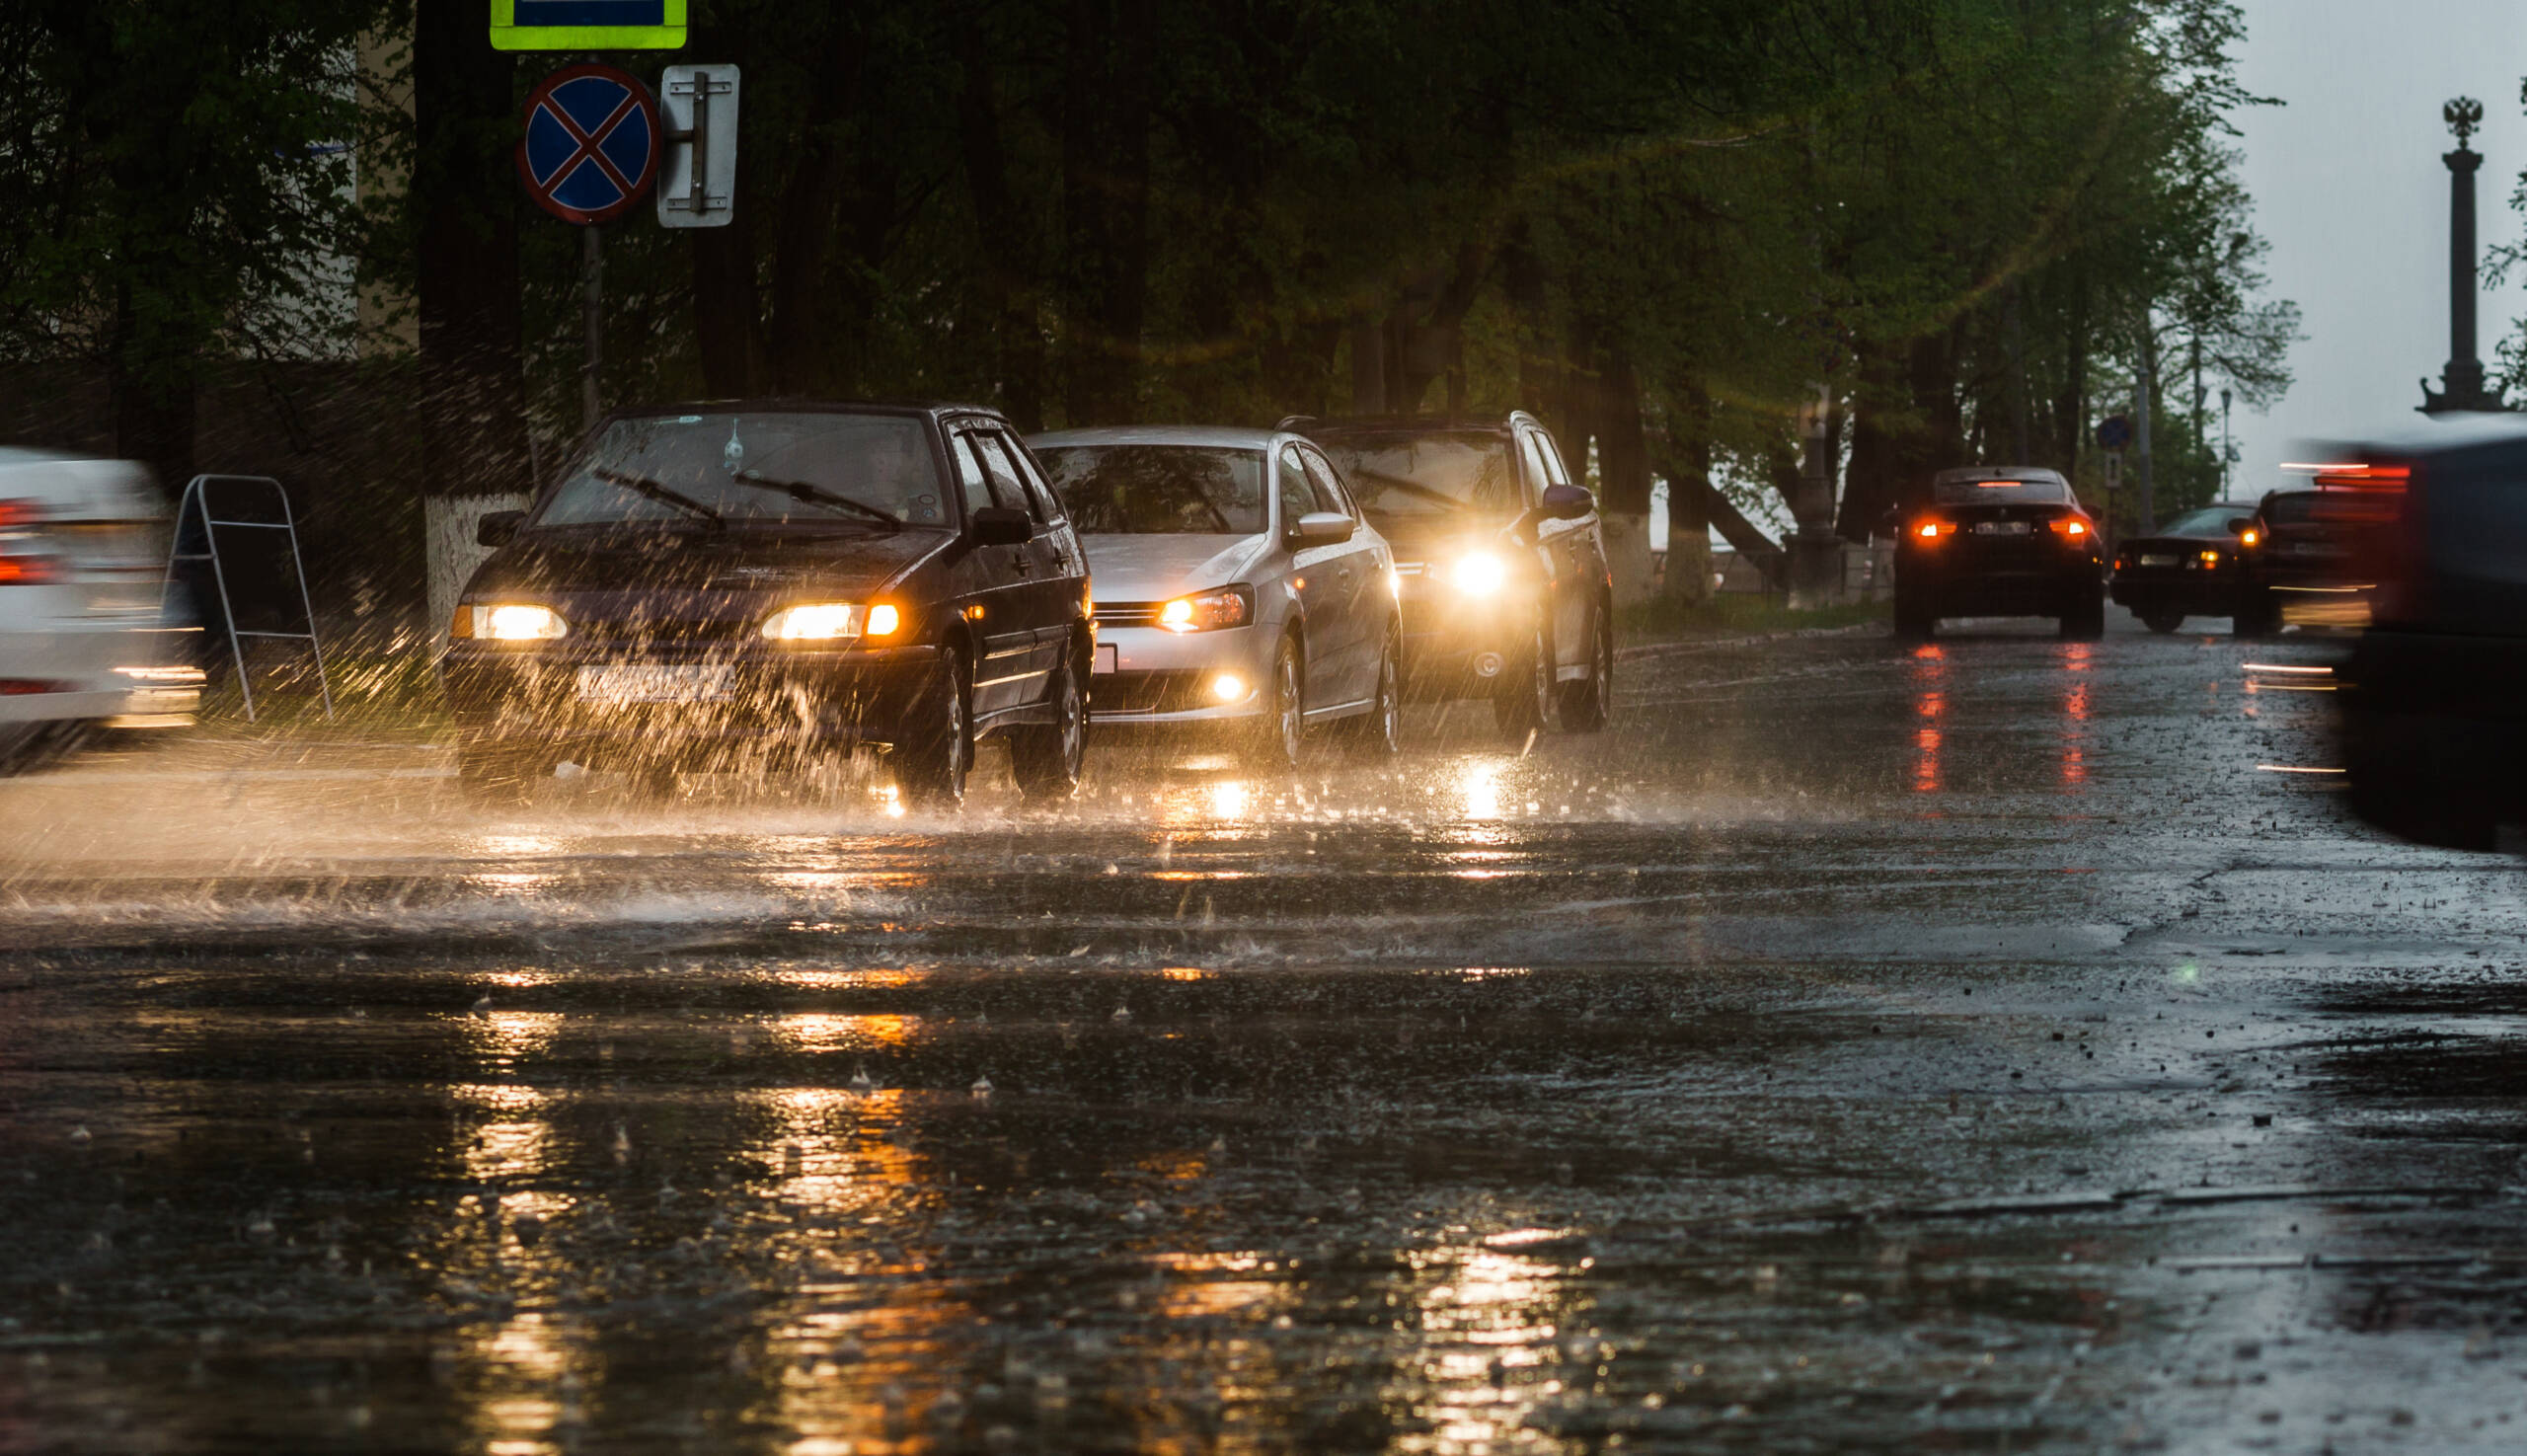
1983, 1046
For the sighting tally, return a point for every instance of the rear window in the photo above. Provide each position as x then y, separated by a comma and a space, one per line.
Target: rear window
2001, 492
1159, 490
2215, 523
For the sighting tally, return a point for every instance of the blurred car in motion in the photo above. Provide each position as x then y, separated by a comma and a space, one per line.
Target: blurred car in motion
1998, 542
2198, 565
741, 586
2317, 566
1237, 589
1506, 587
82, 645
2431, 703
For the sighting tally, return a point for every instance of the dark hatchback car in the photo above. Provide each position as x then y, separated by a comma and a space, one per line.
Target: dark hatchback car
2198, 565
1498, 559
1998, 542
2316, 566
745, 586
2432, 700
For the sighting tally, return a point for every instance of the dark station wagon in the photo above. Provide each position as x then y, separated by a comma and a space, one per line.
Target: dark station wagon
742, 586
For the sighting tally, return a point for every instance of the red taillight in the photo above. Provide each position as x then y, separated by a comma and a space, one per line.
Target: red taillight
1932, 530
22, 563
2071, 526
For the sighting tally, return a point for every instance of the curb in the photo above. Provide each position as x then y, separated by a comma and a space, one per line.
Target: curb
1683, 646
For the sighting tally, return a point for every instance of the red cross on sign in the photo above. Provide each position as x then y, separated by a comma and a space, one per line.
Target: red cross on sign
592, 145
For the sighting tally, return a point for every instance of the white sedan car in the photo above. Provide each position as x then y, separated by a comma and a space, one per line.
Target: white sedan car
81, 639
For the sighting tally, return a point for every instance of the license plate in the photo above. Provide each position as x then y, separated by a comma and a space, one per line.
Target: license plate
2001, 528
2158, 561
657, 684
1109, 658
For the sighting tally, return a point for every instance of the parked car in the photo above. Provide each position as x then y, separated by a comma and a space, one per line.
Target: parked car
2198, 565
82, 644
742, 586
2431, 702
1237, 589
1505, 588
1999, 541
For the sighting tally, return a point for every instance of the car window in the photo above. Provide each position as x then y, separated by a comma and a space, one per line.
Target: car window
1298, 497
2214, 521
1006, 492
1328, 490
2000, 492
1136, 490
773, 469
1531, 448
970, 478
1039, 496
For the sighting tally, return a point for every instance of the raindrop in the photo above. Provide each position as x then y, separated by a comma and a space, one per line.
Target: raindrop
80, 1137
983, 1086
622, 1144
483, 1007
860, 1081
1122, 1014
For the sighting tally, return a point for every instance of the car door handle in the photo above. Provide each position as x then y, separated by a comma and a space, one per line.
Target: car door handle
1018, 563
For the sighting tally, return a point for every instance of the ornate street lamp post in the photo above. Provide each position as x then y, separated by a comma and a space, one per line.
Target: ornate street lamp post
2462, 382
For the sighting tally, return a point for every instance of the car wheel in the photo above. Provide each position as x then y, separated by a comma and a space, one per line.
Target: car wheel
937, 751
499, 773
2162, 622
1047, 759
1379, 733
1281, 733
2086, 620
1522, 700
1587, 704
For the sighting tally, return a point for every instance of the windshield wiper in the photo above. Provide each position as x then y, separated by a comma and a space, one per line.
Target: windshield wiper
1413, 488
655, 492
802, 490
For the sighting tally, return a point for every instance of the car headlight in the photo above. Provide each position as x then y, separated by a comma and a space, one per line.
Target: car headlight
510, 622
1477, 573
831, 621
1207, 611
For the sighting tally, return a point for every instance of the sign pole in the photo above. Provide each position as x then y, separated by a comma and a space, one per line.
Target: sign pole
592, 309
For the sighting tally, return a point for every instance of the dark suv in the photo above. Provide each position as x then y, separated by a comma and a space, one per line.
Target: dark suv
1498, 559
737, 586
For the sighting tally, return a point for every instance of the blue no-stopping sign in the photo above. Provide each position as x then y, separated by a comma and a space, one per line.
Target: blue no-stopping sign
592, 145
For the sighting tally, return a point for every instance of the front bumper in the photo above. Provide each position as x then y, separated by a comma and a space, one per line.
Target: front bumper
801, 700
1150, 677
2195, 592
1457, 644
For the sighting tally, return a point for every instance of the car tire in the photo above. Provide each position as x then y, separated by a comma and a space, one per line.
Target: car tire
936, 754
1379, 733
1587, 705
1047, 759
2423, 807
2086, 620
1915, 621
1522, 700
2162, 622
1278, 739
2257, 615
499, 773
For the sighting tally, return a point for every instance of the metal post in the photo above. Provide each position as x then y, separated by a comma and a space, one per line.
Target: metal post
2145, 502
2228, 448
593, 308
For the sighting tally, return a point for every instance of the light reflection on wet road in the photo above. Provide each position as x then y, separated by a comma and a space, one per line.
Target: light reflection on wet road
1864, 1047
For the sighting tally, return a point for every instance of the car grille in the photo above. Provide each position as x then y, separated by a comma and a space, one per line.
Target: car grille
1170, 691
672, 633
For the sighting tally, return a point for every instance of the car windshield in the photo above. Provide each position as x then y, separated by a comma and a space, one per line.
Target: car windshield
2210, 521
1427, 474
1159, 490
801, 468
2000, 492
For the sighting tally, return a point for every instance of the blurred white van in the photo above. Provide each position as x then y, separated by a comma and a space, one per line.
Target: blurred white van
82, 642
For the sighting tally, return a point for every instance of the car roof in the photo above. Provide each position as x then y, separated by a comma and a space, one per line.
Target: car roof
1214, 436
2000, 473
779, 406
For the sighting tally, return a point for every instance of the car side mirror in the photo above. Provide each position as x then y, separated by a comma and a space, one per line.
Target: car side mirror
498, 527
2238, 525
1322, 528
1567, 502
1003, 526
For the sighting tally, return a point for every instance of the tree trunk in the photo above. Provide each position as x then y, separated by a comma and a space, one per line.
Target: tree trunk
1687, 461
1105, 125
1622, 467
473, 395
